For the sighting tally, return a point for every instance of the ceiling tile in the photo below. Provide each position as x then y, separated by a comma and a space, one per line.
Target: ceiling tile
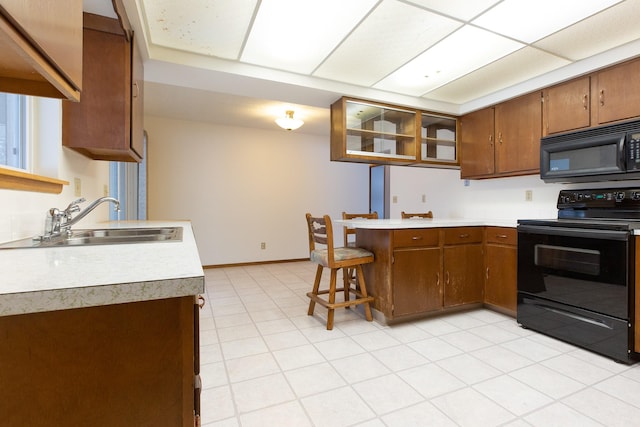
613, 27
533, 20
467, 49
518, 67
394, 31
296, 35
461, 9
215, 28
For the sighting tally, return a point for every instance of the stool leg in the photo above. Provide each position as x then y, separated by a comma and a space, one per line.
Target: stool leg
316, 286
363, 291
346, 284
332, 298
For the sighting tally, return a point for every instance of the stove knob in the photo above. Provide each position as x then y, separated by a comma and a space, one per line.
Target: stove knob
619, 196
635, 195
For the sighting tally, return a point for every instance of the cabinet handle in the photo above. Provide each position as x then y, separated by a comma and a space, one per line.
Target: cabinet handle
464, 236
501, 236
585, 101
487, 273
446, 277
438, 278
136, 92
601, 96
416, 238
500, 137
201, 301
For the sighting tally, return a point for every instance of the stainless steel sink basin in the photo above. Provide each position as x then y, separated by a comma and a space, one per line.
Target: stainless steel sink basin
102, 236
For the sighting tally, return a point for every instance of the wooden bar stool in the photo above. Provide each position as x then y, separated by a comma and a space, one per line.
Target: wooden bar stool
349, 274
405, 215
321, 233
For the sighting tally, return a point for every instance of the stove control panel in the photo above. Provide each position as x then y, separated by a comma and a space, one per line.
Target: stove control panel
601, 200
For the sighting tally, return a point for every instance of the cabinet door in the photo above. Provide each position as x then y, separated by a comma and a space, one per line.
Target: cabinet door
500, 276
617, 93
108, 94
477, 144
137, 100
462, 274
518, 124
416, 280
41, 45
566, 106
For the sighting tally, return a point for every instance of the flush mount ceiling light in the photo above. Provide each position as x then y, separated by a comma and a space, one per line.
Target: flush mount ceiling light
288, 122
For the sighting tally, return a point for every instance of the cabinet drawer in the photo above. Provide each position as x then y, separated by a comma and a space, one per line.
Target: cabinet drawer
415, 237
503, 235
461, 235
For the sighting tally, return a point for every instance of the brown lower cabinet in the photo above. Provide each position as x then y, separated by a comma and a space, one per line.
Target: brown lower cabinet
129, 364
501, 259
423, 270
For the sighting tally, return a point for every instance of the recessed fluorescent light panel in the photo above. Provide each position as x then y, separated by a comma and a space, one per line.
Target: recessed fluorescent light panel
531, 21
467, 49
296, 35
394, 31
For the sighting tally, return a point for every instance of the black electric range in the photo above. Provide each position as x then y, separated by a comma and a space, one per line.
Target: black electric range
576, 272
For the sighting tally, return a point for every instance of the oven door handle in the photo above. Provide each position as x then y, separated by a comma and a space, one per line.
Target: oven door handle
589, 233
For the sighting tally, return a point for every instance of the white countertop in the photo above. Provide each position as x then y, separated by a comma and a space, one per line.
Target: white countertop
423, 223
46, 279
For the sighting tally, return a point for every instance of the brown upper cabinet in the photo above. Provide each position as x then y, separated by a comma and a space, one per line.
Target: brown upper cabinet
107, 124
41, 45
606, 96
371, 132
503, 140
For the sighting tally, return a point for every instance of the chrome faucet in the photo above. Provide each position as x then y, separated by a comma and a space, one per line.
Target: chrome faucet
59, 222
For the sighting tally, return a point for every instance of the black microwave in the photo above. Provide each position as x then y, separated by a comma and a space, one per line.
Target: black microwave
604, 153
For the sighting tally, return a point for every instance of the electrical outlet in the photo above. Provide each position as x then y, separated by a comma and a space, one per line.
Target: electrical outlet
77, 187
105, 190
263, 245
424, 198
528, 195
395, 199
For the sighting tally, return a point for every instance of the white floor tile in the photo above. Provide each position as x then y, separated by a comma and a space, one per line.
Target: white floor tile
285, 414
513, 395
261, 393
603, 408
547, 381
468, 369
418, 415
560, 415
337, 408
264, 361
359, 367
314, 379
431, 380
387, 393
467, 407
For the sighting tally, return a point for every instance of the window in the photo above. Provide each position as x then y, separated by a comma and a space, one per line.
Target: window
128, 184
13, 120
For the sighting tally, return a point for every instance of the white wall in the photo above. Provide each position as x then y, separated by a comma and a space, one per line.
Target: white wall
242, 186
22, 213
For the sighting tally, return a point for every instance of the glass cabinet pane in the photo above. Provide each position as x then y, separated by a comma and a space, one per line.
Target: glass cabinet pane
438, 138
373, 130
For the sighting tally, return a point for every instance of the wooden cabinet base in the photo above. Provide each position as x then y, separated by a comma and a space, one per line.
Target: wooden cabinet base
126, 364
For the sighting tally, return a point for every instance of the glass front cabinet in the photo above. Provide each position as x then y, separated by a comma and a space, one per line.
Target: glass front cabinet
369, 132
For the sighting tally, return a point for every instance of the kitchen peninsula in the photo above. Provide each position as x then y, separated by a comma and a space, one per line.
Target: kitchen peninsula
426, 266
101, 335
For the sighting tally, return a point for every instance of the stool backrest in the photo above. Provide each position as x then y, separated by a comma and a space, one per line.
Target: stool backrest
348, 231
321, 233
416, 215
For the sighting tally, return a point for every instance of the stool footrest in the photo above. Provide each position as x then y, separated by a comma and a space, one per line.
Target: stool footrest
340, 304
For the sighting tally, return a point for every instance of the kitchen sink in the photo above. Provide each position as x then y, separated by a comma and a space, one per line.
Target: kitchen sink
101, 236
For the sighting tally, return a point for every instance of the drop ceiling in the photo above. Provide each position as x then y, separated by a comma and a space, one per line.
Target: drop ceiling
451, 56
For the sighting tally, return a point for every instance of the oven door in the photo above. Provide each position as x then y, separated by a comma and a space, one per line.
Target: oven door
573, 285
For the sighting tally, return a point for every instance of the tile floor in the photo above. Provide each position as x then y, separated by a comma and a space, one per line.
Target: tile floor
264, 362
